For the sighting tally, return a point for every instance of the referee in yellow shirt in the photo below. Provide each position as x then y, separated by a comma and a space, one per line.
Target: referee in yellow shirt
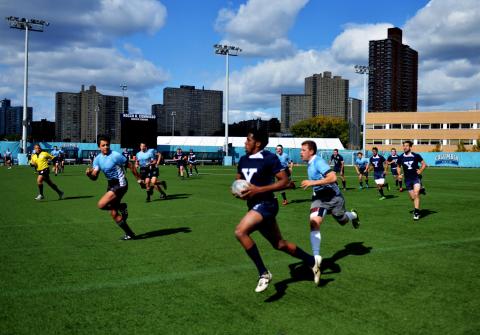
40, 160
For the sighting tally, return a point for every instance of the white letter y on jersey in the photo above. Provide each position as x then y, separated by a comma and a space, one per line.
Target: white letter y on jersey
248, 173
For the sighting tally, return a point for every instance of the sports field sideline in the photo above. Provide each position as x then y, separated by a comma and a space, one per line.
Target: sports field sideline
64, 271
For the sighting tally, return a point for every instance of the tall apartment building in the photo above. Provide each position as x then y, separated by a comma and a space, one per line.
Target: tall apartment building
329, 95
392, 84
355, 123
11, 118
294, 108
197, 112
77, 114
163, 125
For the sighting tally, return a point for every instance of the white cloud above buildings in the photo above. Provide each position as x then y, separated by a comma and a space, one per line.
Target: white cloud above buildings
445, 33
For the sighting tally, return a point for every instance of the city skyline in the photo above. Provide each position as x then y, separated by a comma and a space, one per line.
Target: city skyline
150, 45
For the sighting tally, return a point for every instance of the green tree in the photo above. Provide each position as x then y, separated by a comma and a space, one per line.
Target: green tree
438, 148
323, 127
461, 147
476, 147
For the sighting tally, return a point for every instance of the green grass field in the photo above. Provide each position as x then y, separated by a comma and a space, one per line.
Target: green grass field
64, 271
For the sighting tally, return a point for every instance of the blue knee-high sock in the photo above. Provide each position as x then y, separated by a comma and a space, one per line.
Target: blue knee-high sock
255, 257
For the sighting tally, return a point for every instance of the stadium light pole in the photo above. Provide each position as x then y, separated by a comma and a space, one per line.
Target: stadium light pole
226, 50
365, 70
27, 25
96, 123
124, 88
173, 123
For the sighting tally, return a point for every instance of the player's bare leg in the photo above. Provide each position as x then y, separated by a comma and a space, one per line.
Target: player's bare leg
148, 187
415, 197
109, 202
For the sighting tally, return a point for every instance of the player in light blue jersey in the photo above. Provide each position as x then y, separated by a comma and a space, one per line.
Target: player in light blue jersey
7, 158
112, 164
361, 167
287, 164
326, 198
148, 160
55, 161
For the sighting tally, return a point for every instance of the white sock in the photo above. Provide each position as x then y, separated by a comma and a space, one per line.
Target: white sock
351, 215
315, 239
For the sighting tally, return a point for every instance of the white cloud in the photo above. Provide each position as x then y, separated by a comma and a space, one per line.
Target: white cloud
260, 27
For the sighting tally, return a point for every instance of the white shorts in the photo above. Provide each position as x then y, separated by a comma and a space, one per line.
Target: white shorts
380, 181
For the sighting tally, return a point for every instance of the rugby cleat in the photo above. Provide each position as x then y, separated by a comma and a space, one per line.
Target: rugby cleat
127, 237
285, 202
356, 221
39, 197
416, 216
316, 269
263, 282
382, 198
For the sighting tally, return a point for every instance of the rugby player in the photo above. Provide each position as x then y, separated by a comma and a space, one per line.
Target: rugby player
287, 165
112, 164
392, 161
7, 159
179, 158
361, 167
326, 197
409, 161
378, 164
39, 160
55, 152
192, 162
260, 167
338, 166
148, 160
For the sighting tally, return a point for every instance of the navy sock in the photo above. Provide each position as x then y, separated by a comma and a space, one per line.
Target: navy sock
284, 196
255, 257
361, 184
381, 192
308, 259
344, 183
124, 226
40, 189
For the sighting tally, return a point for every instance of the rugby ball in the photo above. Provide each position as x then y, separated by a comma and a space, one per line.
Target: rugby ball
238, 186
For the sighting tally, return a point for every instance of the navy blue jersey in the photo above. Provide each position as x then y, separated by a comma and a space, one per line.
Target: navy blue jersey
178, 156
337, 160
410, 164
393, 160
377, 163
259, 169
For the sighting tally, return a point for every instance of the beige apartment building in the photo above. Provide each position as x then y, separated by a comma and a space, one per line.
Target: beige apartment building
425, 129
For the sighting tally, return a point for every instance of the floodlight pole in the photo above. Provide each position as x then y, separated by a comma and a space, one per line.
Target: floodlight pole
96, 123
33, 25
226, 50
365, 70
173, 123
124, 88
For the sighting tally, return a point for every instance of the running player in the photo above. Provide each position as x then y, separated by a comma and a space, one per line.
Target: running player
392, 161
192, 162
338, 166
55, 162
112, 164
179, 158
326, 197
361, 167
260, 167
7, 159
409, 161
126, 154
287, 165
61, 160
39, 160
147, 160
379, 166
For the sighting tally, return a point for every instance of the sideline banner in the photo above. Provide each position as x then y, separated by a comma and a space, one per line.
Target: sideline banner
452, 159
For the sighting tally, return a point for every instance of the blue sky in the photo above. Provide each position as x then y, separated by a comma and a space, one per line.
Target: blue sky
151, 44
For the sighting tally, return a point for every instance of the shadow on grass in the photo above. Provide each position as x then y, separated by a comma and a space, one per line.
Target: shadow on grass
78, 197
425, 212
301, 272
174, 196
390, 196
299, 201
163, 232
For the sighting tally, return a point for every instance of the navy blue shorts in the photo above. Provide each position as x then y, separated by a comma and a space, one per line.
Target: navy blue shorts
363, 173
337, 169
114, 186
394, 171
378, 175
410, 182
268, 209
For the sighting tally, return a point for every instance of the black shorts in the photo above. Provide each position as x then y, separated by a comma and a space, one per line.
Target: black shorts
55, 160
115, 187
8, 158
338, 169
153, 172
180, 163
192, 162
148, 172
45, 173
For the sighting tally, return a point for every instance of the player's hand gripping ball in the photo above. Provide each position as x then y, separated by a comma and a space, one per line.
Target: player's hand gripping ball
238, 186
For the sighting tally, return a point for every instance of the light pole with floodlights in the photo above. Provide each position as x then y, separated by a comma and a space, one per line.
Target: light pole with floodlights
226, 50
27, 25
173, 123
124, 88
365, 70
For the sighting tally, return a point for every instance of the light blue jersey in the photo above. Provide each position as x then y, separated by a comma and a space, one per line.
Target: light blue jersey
318, 169
144, 158
362, 163
284, 160
55, 153
112, 166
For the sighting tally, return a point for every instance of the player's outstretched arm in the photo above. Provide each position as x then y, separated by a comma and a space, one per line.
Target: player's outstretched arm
133, 168
330, 178
92, 173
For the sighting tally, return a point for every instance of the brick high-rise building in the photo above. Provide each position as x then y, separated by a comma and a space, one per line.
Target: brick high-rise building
11, 118
76, 115
392, 84
329, 95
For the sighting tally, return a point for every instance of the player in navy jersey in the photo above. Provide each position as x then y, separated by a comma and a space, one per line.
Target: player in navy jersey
148, 160
180, 159
287, 165
126, 154
392, 162
260, 168
326, 197
409, 162
378, 164
338, 166
192, 162
7, 158
112, 164
361, 167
